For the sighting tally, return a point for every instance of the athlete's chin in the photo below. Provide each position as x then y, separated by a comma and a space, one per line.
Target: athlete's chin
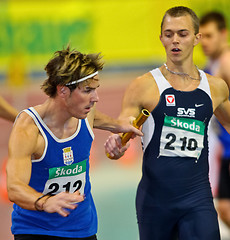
83, 113
86, 112
81, 116
175, 56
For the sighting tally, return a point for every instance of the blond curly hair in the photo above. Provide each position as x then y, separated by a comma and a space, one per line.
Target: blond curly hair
67, 66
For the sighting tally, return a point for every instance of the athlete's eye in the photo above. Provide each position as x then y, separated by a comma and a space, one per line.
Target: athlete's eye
183, 33
88, 90
168, 35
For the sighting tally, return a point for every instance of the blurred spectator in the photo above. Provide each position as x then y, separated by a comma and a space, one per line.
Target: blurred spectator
215, 46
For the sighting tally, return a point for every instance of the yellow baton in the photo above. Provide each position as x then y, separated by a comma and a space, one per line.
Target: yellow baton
137, 122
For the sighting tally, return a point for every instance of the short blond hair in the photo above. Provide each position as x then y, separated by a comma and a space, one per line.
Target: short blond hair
180, 11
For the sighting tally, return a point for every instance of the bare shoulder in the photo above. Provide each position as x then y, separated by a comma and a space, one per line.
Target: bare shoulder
25, 125
24, 138
24, 119
217, 84
142, 92
137, 87
145, 81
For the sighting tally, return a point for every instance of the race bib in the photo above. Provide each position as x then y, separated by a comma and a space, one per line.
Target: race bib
182, 137
66, 179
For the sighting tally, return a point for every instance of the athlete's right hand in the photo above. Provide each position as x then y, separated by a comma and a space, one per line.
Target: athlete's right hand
114, 148
61, 202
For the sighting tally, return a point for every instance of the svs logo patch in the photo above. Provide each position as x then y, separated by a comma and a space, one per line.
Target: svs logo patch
182, 112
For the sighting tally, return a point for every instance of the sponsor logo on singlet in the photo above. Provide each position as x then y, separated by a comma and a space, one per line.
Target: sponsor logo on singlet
183, 112
185, 124
69, 178
68, 156
182, 137
170, 100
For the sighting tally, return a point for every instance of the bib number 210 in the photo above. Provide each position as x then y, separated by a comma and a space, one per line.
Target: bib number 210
190, 144
182, 137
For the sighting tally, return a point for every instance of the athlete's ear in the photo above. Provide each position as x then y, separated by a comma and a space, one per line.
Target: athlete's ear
161, 39
62, 91
197, 38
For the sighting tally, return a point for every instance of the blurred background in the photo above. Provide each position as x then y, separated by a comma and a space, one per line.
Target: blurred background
126, 32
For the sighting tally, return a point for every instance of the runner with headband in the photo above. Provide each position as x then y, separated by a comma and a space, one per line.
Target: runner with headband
49, 148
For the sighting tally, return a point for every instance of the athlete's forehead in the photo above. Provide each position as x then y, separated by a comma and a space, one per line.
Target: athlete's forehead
175, 24
91, 83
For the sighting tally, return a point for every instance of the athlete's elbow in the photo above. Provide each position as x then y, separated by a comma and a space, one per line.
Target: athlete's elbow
11, 193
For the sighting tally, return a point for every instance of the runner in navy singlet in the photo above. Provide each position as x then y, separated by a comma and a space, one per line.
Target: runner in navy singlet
174, 199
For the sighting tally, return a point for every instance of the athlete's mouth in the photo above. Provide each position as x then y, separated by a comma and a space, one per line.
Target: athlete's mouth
89, 107
176, 50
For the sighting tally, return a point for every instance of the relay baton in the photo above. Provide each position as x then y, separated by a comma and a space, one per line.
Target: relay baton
137, 122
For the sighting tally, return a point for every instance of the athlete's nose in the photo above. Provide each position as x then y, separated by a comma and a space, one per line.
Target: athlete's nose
95, 97
175, 38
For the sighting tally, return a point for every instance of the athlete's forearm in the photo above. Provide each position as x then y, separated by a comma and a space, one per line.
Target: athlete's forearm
7, 111
22, 194
104, 122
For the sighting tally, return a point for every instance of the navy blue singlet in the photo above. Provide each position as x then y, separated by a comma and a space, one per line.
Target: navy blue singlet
175, 167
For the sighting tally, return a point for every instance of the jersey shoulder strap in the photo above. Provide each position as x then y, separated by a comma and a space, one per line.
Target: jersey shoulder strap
160, 80
204, 85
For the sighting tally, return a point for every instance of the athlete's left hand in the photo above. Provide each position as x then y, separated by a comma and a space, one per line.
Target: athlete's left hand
114, 148
61, 202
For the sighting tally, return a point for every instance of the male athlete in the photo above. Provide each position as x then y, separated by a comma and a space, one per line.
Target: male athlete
49, 148
174, 198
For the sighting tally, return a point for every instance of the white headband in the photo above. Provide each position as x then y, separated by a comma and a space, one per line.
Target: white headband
82, 79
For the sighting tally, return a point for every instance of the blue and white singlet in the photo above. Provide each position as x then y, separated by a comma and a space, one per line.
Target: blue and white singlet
64, 166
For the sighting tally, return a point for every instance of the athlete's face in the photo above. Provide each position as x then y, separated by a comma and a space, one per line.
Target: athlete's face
83, 98
211, 39
178, 37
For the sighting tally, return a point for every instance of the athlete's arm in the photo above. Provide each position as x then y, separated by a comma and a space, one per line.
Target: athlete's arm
7, 111
222, 113
105, 122
141, 93
221, 103
23, 143
224, 68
